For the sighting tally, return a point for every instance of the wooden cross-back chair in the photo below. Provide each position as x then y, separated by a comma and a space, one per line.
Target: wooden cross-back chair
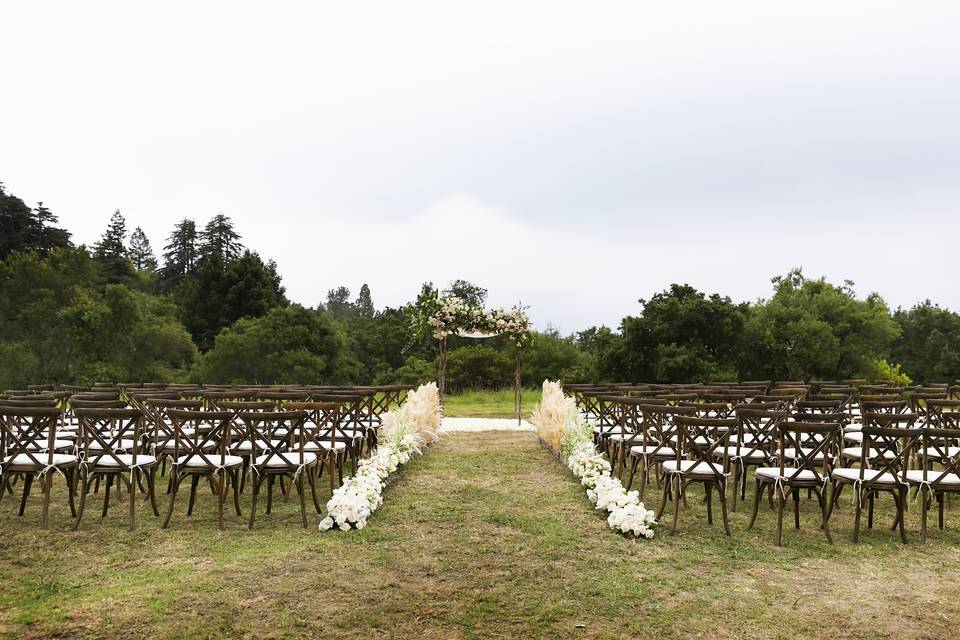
809, 446
28, 439
751, 445
937, 448
655, 444
110, 447
201, 440
889, 441
695, 462
350, 418
324, 435
275, 457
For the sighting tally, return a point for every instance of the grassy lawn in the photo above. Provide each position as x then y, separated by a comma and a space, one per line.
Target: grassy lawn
489, 404
486, 536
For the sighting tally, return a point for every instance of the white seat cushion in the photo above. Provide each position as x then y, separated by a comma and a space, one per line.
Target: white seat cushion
855, 452
915, 476
649, 449
41, 445
853, 436
245, 446
23, 461
620, 437
853, 428
292, 460
324, 444
791, 453
123, 443
197, 462
125, 460
742, 452
772, 473
850, 474
693, 468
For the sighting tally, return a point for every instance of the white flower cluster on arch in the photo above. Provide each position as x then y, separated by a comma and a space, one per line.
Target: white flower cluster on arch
562, 428
403, 434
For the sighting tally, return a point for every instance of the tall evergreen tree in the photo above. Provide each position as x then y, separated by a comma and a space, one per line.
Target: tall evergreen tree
364, 303
111, 252
338, 301
140, 251
219, 242
180, 252
23, 229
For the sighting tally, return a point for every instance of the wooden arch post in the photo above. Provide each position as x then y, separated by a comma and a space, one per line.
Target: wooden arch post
442, 373
517, 390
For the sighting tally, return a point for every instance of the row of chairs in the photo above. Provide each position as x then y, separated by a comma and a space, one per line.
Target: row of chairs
875, 445
125, 438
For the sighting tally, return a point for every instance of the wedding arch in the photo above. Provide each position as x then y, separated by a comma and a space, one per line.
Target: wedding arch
445, 315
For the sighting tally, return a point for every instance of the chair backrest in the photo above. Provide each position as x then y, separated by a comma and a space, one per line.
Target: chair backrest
757, 430
710, 409
22, 428
277, 435
104, 434
944, 414
887, 448
716, 431
813, 444
935, 445
201, 434
322, 423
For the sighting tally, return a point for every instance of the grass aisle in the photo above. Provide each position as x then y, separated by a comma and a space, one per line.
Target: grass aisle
486, 536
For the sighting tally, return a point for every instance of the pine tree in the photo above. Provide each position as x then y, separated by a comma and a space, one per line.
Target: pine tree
338, 301
140, 251
111, 243
180, 252
219, 241
364, 303
111, 252
48, 236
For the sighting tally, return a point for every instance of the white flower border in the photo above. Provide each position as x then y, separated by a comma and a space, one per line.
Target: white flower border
404, 433
569, 434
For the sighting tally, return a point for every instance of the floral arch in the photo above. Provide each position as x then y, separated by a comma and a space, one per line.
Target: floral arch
450, 315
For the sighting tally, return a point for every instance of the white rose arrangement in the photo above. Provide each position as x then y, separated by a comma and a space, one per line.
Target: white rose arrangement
562, 428
404, 433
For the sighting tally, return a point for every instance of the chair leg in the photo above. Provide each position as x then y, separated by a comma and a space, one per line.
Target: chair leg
134, 481
676, 502
221, 496
255, 482
27, 483
46, 483
633, 469
194, 481
270, 482
781, 500
175, 479
901, 509
663, 501
822, 499
313, 488
940, 507
870, 510
235, 476
303, 497
722, 491
708, 489
106, 496
736, 487
856, 519
796, 509
835, 490
152, 490
924, 506
73, 476
756, 503
84, 486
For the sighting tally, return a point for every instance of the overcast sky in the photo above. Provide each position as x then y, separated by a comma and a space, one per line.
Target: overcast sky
575, 157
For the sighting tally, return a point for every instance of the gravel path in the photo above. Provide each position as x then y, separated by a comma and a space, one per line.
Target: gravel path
484, 424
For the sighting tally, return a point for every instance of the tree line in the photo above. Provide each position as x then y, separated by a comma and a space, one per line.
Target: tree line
209, 309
